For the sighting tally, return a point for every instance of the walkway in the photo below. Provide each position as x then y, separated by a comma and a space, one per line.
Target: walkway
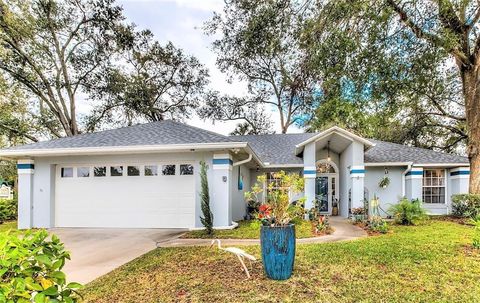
344, 231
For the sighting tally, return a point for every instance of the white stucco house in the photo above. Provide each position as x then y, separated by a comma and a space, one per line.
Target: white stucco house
147, 176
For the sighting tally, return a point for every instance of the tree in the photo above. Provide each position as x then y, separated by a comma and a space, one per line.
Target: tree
259, 45
230, 108
54, 48
207, 219
157, 82
17, 125
422, 56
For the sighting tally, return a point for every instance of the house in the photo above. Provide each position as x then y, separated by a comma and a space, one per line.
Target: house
147, 176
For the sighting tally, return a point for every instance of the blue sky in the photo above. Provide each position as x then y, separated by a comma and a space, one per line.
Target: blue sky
180, 21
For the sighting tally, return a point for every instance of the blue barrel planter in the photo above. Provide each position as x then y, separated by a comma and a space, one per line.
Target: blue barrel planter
278, 251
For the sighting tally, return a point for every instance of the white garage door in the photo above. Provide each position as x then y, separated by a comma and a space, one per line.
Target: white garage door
158, 195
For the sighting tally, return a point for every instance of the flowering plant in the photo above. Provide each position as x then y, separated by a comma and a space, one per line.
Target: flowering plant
274, 195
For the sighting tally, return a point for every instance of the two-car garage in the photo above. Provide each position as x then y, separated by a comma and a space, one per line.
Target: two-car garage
125, 195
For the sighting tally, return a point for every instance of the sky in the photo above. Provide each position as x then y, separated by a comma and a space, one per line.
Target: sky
180, 22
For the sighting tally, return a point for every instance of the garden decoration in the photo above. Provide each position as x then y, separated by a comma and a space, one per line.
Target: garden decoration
240, 253
277, 234
374, 205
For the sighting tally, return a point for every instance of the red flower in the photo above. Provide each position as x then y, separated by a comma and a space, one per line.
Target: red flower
264, 211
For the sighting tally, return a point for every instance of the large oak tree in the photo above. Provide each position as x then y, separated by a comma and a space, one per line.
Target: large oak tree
421, 56
53, 48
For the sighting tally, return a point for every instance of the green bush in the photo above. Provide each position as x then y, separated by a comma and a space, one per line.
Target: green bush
476, 236
467, 205
30, 269
408, 212
378, 224
8, 210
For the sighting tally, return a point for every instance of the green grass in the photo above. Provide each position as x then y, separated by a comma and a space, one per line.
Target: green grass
429, 263
8, 225
250, 230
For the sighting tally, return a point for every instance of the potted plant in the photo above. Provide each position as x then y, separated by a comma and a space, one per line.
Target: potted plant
277, 233
384, 182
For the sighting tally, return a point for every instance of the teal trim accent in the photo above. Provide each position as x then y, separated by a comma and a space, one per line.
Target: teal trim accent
415, 173
460, 172
222, 161
25, 166
357, 171
309, 172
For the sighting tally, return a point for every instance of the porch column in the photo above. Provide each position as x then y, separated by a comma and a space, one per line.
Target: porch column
221, 202
357, 175
459, 177
25, 193
414, 183
309, 173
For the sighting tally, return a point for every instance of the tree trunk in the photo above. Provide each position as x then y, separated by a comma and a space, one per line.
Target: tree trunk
471, 92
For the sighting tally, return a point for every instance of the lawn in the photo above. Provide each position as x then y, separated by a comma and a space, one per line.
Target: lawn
8, 225
430, 263
250, 230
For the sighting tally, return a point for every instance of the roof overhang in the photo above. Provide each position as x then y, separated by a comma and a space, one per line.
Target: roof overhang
335, 130
110, 150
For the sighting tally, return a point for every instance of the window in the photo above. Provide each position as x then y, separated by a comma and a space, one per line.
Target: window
83, 172
273, 182
151, 170
169, 170
186, 169
100, 171
116, 171
434, 186
67, 172
133, 171
325, 168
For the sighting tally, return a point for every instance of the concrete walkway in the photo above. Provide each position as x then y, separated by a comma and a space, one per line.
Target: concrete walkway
97, 251
344, 231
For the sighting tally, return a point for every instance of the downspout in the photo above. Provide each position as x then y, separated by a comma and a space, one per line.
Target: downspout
250, 156
409, 167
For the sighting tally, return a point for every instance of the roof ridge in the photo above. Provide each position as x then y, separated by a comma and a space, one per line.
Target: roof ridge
419, 148
198, 128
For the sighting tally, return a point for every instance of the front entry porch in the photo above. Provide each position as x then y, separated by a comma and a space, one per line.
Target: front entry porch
334, 171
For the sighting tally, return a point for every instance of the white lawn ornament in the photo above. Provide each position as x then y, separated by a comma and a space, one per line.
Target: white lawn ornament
241, 254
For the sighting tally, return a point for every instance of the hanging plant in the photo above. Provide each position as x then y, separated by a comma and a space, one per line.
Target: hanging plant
384, 182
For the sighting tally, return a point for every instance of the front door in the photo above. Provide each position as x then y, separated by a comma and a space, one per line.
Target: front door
321, 193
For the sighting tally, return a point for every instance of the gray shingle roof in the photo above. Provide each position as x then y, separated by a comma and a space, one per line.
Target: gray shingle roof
392, 152
276, 148
273, 149
154, 133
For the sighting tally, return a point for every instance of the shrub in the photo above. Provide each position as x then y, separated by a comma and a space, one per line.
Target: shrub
378, 224
476, 236
408, 212
207, 219
467, 205
30, 269
8, 210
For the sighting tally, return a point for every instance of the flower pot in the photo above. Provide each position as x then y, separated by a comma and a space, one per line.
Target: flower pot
278, 251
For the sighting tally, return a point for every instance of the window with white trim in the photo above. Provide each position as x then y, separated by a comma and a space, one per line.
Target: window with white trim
151, 170
83, 172
186, 169
116, 171
133, 170
99, 171
67, 172
433, 186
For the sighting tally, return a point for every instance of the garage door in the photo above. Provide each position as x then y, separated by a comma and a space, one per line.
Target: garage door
160, 195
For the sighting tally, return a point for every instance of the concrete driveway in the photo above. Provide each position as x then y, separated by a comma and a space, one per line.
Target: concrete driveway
96, 252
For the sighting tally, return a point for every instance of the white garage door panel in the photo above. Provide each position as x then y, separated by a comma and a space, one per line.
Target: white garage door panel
126, 202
